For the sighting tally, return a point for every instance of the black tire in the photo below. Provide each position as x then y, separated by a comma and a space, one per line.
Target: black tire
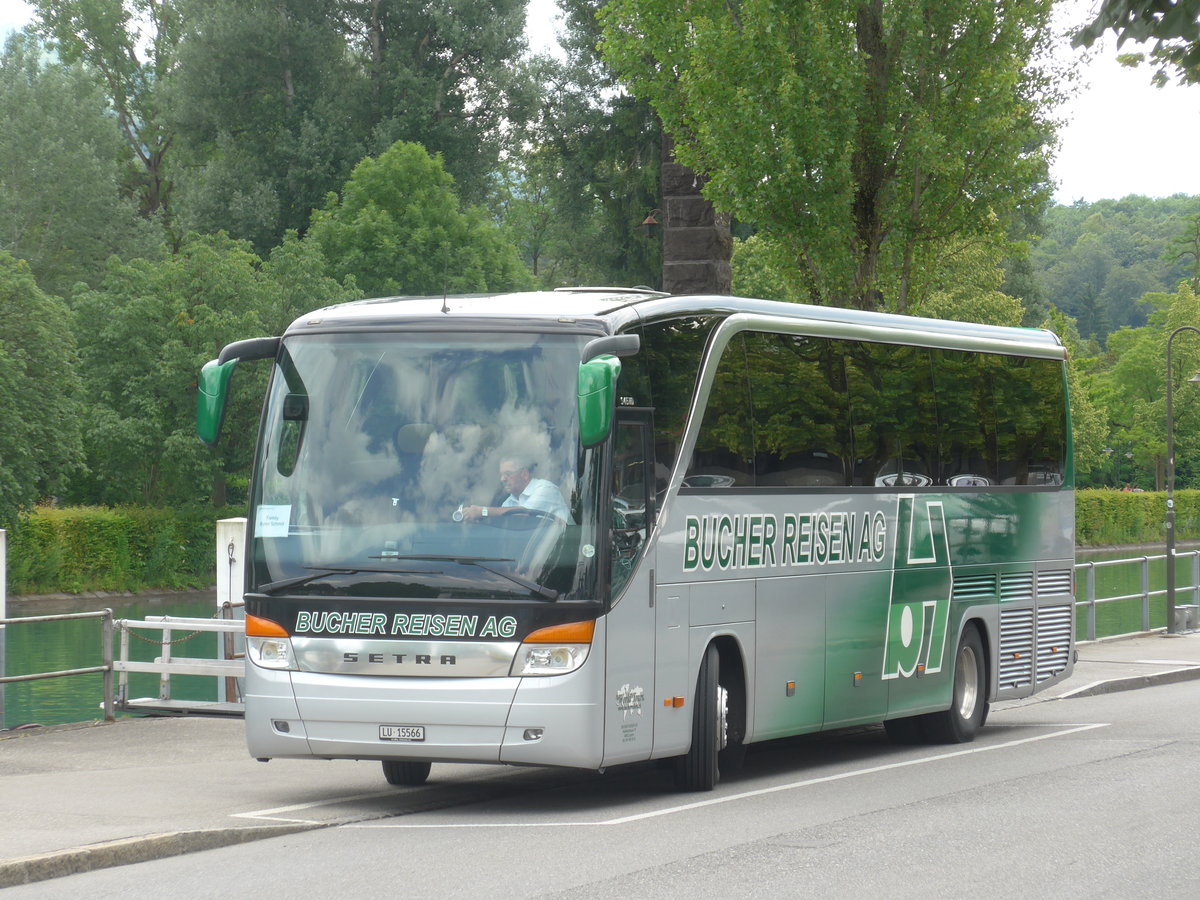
969, 704
403, 772
698, 770
733, 754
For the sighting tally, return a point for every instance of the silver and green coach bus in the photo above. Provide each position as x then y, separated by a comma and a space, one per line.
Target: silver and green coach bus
597, 526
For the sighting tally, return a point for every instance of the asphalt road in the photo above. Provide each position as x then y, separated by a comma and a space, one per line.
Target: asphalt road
1092, 797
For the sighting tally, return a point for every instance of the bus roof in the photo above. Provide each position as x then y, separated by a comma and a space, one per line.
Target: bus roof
610, 310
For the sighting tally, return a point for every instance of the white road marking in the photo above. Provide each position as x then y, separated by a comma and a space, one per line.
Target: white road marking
1189, 663
296, 807
715, 801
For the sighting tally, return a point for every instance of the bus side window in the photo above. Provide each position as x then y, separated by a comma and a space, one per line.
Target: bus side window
895, 414
967, 410
663, 376
724, 453
801, 421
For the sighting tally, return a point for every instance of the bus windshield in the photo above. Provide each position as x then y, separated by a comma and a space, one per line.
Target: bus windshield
425, 465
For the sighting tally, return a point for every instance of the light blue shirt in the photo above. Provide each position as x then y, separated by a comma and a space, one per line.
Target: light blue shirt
543, 496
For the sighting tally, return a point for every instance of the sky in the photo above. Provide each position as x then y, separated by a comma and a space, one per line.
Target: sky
1123, 136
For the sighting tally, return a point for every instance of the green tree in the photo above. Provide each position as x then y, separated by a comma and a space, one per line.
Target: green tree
61, 208
447, 74
1132, 389
131, 44
602, 152
1186, 249
40, 410
398, 228
760, 269
1173, 26
1089, 425
269, 107
864, 138
1096, 261
1076, 282
143, 336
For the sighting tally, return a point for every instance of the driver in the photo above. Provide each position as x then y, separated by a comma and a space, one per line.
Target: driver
525, 493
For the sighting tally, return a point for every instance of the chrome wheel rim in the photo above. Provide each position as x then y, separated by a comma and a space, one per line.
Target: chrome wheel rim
966, 682
722, 717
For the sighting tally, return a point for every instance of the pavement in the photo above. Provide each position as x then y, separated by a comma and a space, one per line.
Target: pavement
75, 798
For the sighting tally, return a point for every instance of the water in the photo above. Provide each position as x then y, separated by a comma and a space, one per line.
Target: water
54, 646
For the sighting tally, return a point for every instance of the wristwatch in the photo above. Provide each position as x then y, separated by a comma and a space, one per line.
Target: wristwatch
483, 511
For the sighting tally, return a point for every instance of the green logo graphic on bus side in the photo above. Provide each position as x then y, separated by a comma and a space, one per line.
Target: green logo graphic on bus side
919, 611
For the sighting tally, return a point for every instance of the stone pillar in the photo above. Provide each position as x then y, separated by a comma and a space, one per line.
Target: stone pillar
696, 242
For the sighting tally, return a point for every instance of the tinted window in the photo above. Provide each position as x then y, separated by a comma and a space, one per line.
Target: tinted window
663, 375
894, 415
801, 416
799, 411
724, 453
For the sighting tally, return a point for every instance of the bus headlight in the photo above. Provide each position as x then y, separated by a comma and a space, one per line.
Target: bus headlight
270, 653
555, 650
268, 645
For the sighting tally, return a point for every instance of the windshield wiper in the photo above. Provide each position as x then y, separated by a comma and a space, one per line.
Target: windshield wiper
481, 561
274, 587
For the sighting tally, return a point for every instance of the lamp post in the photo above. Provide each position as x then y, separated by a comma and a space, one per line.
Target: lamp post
1195, 379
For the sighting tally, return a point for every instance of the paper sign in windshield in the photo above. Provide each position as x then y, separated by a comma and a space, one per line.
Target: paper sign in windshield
273, 521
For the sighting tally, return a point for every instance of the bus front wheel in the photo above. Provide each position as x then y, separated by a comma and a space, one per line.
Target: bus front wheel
969, 705
697, 770
403, 772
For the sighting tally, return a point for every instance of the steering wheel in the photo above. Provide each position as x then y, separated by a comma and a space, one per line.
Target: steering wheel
518, 519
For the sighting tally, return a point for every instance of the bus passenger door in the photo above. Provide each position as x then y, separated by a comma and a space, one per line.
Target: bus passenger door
672, 671
629, 683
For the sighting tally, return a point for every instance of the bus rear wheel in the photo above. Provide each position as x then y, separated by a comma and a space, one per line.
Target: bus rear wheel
404, 772
698, 769
969, 705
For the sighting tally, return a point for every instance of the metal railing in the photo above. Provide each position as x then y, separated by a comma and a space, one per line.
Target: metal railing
106, 666
228, 666
1089, 603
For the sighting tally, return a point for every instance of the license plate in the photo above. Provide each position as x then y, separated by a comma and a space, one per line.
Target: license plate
402, 732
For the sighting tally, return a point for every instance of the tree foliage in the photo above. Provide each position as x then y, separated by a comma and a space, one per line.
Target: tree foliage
398, 228
61, 208
143, 336
599, 160
1129, 383
267, 103
132, 45
1096, 261
863, 138
1172, 25
40, 401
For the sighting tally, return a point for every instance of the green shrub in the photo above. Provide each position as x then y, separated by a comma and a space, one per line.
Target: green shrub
1106, 517
112, 549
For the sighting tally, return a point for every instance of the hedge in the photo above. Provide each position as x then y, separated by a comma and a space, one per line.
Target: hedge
132, 548
1104, 518
75, 549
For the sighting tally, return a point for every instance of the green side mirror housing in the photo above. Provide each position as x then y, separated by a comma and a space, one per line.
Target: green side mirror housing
210, 399
597, 390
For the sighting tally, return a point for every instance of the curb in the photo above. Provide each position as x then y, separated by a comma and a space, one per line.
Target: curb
1113, 685
30, 869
